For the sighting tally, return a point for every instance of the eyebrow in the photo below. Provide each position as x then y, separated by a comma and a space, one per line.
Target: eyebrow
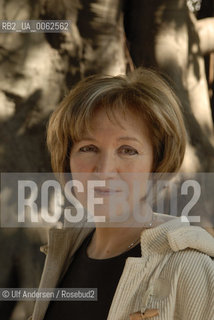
120, 138
129, 138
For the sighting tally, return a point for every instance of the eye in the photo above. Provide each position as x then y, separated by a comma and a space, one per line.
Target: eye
126, 150
90, 148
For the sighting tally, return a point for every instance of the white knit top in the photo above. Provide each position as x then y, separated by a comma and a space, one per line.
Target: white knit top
174, 275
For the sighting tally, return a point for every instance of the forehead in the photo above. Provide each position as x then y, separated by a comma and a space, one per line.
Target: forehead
116, 123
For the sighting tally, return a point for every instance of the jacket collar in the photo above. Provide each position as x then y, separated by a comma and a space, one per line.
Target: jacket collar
176, 235
170, 234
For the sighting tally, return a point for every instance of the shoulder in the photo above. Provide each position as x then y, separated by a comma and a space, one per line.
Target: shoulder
194, 271
192, 252
189, 261
195, 284
192, 259
193, 248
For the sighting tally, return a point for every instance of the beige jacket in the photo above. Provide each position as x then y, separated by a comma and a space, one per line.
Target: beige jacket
172, 280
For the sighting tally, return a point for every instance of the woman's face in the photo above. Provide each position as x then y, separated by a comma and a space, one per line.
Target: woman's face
119, 155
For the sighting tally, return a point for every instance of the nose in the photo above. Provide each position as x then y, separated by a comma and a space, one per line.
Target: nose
105, 165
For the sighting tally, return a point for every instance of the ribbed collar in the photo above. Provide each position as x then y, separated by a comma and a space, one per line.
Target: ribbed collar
155, 240
176, 235
173, 235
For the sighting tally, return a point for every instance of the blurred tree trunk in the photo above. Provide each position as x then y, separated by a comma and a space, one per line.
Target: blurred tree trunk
206, 35
96, 43
164, 34
207, 11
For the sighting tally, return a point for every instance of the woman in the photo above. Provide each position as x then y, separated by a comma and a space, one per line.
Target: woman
144, 265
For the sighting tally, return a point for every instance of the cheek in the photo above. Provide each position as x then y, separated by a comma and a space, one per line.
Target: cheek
79, 164
140, 165
148, 164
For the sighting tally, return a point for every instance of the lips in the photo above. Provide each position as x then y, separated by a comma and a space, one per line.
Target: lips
106, 191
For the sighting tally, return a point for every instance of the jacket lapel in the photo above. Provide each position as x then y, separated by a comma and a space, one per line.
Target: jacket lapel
62, 245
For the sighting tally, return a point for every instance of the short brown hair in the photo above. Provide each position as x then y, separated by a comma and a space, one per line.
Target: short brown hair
143, 92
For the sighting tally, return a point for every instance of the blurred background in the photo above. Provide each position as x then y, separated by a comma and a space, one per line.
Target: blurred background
111, 37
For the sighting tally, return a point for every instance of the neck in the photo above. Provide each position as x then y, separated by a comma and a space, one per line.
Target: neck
110, 242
